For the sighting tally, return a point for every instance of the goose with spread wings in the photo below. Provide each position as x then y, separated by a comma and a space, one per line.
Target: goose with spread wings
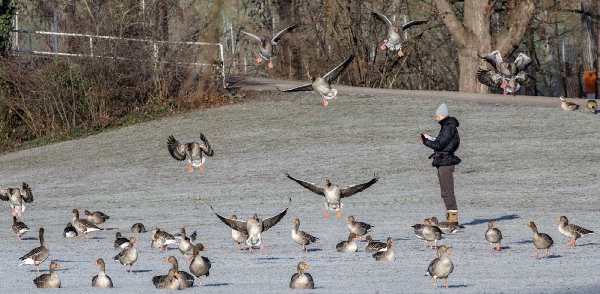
322, 85
333, 193
508, 75
254, 226
16, 197
394, 32
266, 46
193, 151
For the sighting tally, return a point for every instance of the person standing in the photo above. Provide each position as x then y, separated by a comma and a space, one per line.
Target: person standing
444, 146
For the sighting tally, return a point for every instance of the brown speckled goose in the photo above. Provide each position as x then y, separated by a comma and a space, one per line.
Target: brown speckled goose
373, 247
254, 226
394, 33
49, 280
266, 46
36, 255
493, 235
358, 228
83, 226
348, 246
185, 279
592, 105
323, 85
446, 227
168, 282
128, 256
200, 265
238, 236
70, 231
540, 240
442, 266
334, 193
163, 239
568, 106
185, 246
101, 280
20, 228
120, 241
571, 231
302, 237
96, 217
16, 197
387, 254
193, 151
138, 228
302, 280
431, 233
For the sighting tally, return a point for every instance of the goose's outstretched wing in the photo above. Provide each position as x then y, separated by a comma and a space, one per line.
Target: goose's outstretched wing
237, 225
205, 147
177, 150
351, 190
320, 190
523, 61
253, 36
413, 23
494, 58
525, 79
270, 222
489, 78
383, 18
334, 73
305, 87
278, 36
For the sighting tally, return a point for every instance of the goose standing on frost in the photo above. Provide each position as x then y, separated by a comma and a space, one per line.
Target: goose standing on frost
185, 279
70, 231
540, 240
441, 267
193, 151
168, 282
493, 235
431, 234
358, 228
418, 229
323, 85
101, 280
387, 254
374, 247
120, 241
265, 50
394, 32
348, 246
200, 265
185, 246
16, 197
83, 226
96, 217
334, 193
36, 255
163, 239
238, 237
302, 237
138, 228
571, 231
49, 280
446, 227
128, 256
302, 280
507, 75
592, 105
20, 228
568, 106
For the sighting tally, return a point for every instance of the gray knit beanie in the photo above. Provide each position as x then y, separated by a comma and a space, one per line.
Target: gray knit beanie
442, 110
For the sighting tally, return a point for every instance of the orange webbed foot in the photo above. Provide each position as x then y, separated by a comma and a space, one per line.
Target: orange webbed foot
202, 167
14, 213
325, 103
259, 59
400, 53
270, 64
191, 169
383, 47
326, 214
339, 214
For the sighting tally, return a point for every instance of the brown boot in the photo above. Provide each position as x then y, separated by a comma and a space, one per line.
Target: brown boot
452, 216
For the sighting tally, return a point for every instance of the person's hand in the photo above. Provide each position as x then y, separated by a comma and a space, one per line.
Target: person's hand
422, 138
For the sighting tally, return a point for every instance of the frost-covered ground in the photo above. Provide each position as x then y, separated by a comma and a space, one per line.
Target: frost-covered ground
520, 163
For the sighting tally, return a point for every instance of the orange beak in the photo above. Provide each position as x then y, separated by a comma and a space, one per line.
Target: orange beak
166, 259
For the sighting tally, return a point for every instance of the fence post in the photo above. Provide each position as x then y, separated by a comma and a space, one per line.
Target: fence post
55, 36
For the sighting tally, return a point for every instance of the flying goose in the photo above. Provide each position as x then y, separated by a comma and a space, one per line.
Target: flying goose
138, 228
302, 280
128, 256
16, 197
333, 193
358, 228
120, 241
254, 226
387, 254
163, 239
20, 228
96, 217
49, 280
374, 247
185, 246
323, 85
302, 237
446, 227
186, 280
101, 280
568, 106
36, 255
193, 151
83, 226
441, 267
571, 231
348, 246
265, 50
592, 105
238, 237
493, 235
394, 32
168, 282
200, 265
506, 75
540, 240
70, 231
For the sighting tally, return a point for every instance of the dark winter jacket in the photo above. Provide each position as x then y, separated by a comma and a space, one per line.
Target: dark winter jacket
445, 144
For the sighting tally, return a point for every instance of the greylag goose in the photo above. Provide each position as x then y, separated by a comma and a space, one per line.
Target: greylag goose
120, 241
388, 254
138, 228
163, 239
49, 280
96, 217
507, 75
571, 231
193, 151
302, 237
20, 228
322, 85
168, 282
200, 265
540, 240
302, 280
394, 33
36, 255
431, 233
493, 235
374, 247
16, 197
70, 231
446, 227
333, 193
101, 280
265, 50
185, 246
186, 280
254, 226
83, 226
128, 256
441, 267
358, 228
238, 237
568, 106
418, 229
592, 105
348, 246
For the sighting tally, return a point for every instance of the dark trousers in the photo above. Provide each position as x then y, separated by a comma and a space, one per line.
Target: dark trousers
445, 175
